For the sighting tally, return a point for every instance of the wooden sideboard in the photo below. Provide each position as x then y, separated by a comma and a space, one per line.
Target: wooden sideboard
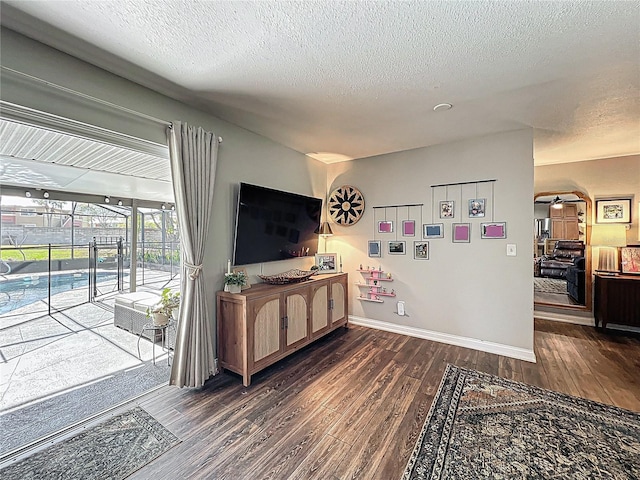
617, 300
265, 323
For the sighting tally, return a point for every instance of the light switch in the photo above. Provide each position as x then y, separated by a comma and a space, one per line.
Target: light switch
511, 249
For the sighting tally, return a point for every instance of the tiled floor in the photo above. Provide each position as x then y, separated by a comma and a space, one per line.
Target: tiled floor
43, 355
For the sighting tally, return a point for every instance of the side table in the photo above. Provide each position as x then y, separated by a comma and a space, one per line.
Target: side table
164, 333
617, 300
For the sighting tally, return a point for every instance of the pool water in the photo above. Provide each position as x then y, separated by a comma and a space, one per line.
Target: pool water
18, 292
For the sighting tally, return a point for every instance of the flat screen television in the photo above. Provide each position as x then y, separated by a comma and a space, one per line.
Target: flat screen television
274, 225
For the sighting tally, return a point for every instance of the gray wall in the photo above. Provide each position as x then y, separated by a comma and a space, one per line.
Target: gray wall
470, 290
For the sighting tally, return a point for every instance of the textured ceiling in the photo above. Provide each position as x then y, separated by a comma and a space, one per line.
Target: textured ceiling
360, 78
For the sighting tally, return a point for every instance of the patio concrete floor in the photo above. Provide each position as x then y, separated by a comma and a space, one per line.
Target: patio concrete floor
43, 356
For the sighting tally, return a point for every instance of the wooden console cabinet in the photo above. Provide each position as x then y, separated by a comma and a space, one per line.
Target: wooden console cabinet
265, 323
617, 300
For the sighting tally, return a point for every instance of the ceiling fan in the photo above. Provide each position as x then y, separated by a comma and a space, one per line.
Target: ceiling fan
557, 202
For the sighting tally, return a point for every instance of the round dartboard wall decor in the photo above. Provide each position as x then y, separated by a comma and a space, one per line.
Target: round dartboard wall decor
346, 205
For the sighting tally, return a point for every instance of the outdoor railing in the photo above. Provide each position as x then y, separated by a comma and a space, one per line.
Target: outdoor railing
34, 276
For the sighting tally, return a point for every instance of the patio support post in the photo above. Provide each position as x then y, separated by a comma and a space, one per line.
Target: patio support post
49, 282
133, 265
164, 236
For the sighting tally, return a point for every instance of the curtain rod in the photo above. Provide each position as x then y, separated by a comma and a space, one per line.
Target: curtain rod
462, 183
93, 99
405, 205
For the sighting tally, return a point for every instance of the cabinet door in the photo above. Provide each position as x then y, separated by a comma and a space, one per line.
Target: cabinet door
267, 327
555, 212
296, 318
557, 229
570, 210
338, 300
319, 308
571, 231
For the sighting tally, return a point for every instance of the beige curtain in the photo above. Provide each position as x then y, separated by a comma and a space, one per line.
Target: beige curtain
193, 154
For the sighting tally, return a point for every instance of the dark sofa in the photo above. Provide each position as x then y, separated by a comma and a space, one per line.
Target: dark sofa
564, 252
575, 275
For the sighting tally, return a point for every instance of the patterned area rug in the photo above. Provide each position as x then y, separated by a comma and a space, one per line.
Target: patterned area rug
113, 449
481, 426
549, 285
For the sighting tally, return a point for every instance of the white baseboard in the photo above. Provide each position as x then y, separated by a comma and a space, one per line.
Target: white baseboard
563, 317
490, 347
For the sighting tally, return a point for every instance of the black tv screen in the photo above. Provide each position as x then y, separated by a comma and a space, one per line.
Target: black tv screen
274, 225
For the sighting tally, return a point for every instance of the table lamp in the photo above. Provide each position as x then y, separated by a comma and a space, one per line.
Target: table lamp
608, 238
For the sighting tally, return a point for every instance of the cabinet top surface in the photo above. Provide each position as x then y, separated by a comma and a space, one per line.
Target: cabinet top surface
617, 277
262, 289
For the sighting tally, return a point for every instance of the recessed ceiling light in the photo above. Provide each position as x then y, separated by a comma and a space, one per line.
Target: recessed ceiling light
45, 194
27, 194
441, 107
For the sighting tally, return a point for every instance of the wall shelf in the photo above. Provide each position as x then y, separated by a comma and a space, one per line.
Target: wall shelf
371, 278
370, 300
377, 287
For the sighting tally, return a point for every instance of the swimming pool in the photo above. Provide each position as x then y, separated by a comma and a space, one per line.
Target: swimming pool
18, 292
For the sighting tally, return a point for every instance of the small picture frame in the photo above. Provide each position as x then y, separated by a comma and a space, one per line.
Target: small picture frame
327, 262
447, 209
630, 260
246, 276
421, 250
613, 211
493, 230
461, 233
397, 247
476, 207
408, 228
433, 230
375, 248
385, 226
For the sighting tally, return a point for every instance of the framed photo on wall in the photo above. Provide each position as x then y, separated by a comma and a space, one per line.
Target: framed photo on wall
461, 233
375, 248
476, 207
327, 262
433, 230
409, 228
421, 250
385, 226
397, 248
613, 211
446, 208
493, 230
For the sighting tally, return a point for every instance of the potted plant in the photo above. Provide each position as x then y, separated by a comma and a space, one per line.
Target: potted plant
234, 281
161, 311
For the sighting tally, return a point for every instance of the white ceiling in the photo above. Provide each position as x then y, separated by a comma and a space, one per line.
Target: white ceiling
360, 78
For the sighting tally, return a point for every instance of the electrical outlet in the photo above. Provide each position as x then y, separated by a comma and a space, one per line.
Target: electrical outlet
400, 308
511, 250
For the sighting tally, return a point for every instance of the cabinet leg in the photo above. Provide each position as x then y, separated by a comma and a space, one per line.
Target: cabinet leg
246, 380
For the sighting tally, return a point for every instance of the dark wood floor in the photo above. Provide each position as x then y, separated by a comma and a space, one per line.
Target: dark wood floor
352, 405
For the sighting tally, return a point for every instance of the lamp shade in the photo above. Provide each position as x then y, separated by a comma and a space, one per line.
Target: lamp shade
609, 235
325, 229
